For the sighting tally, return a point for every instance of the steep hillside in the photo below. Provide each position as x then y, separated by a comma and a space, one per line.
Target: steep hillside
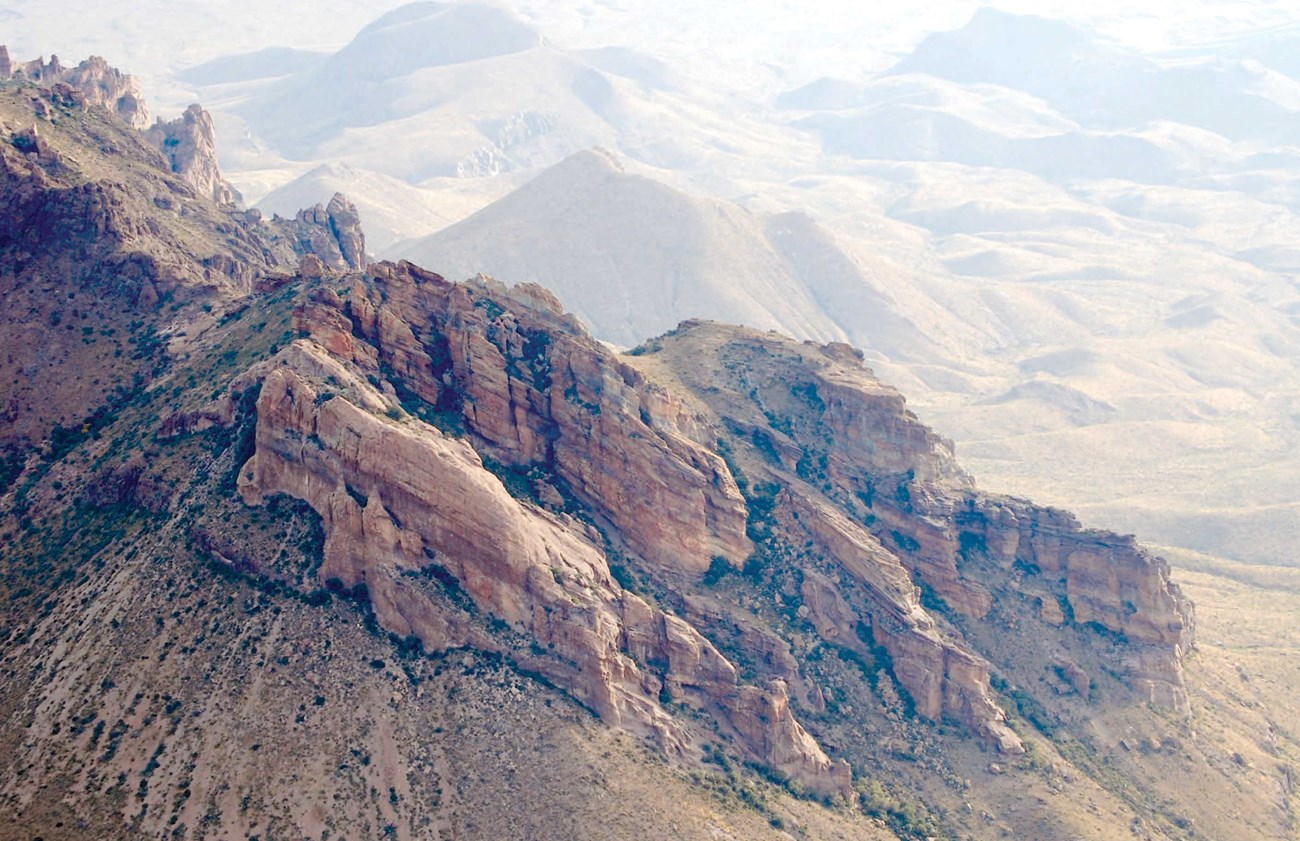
110, 254
198, 629
136, 243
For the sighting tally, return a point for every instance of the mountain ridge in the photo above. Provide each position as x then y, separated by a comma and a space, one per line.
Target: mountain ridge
346, 495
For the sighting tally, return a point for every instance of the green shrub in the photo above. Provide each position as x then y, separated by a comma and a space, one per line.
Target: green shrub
719, 567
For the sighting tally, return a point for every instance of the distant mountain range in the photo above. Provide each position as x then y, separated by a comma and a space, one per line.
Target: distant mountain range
636, 257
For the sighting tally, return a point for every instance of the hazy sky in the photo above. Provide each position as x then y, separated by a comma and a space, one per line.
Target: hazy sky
726, 38
1149, 24
841, 37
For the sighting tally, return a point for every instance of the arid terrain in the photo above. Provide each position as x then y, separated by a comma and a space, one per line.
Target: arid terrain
299, 544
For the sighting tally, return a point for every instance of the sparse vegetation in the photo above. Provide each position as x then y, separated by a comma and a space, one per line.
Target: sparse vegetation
156, 626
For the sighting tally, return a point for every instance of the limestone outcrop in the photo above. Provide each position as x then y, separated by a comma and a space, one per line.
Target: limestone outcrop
1105, 579
866, 485
345, 223
540, 393
942, 676
236, 454
873, 490
398, 497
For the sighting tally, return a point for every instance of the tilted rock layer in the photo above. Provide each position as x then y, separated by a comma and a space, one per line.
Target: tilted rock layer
894, 507
537, 390
398, 495
407, 400
226, 439
851, 476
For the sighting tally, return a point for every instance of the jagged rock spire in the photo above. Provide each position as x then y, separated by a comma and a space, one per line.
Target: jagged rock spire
333, 233
100, 83
189, 143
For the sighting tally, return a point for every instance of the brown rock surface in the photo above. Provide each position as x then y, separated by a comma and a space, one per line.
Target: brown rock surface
942, 676
346, 226
188, 143
538, 394
505, 356
860, 457
87, 202
740, 546
1106, 579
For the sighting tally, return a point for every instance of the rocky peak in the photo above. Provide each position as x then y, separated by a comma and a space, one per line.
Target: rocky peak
742, 547
843, 483
333, 233
345, 224
540, 392
189, 143
830, 492
100, 84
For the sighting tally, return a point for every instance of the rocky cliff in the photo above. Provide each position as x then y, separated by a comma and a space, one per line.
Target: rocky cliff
332, 232
188, 143
537, 390
833, 465
396, 496
832, 438
118, 245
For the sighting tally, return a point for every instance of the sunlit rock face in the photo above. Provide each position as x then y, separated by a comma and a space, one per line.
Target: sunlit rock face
505, 376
